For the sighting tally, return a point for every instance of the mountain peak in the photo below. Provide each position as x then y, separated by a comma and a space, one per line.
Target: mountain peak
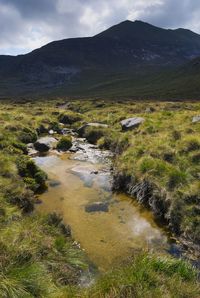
127, 28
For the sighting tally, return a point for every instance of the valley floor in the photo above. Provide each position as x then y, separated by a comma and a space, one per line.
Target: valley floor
157, 163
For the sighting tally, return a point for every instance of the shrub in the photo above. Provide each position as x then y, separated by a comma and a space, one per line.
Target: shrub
28, 136
69, 118
28, 169
64, 143
31, 183
20, 146
93, 134
40, 178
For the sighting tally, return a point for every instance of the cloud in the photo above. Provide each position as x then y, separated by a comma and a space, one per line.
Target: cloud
28, 24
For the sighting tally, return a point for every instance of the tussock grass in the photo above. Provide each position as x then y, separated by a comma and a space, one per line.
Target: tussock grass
148, 276
37, 256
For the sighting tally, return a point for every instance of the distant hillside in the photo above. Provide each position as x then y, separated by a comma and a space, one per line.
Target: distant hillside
129, 59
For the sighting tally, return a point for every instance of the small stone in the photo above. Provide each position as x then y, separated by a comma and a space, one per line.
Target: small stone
94, 172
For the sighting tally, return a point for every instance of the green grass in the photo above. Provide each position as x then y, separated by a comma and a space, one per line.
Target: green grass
147, 276
37, 255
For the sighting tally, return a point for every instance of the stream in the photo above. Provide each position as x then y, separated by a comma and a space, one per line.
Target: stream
108, 226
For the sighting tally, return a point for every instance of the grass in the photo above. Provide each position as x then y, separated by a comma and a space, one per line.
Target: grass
37, 255
164, 150
147, 276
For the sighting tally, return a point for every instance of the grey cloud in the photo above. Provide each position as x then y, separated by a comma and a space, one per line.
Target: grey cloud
32, 8
28, 24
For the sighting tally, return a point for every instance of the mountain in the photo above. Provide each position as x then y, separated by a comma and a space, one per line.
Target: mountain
123, 59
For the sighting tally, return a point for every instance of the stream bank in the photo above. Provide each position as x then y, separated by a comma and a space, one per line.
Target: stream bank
109, 226
155, 199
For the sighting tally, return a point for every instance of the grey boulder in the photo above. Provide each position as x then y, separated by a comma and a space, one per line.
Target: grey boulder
45, 144
131, 123
196, 119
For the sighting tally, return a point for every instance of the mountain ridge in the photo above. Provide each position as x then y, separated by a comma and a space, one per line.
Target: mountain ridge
128, 49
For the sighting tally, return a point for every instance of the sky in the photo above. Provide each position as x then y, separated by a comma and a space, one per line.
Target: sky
29, 24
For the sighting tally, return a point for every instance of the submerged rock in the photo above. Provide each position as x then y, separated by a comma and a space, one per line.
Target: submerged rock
54, 183
131, 123
97, 207
45, 144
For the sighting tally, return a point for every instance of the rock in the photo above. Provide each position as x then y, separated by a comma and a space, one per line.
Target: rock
31, 150
97, 207
54, 183
68, 131
51, 132
94, 172
196, 119
45, 144
131, 123
82, 129
149, 110
74, 149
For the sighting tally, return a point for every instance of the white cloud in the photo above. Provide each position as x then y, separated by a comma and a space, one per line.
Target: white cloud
28, 24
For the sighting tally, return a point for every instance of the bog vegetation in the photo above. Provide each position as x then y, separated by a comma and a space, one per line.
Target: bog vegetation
38, 257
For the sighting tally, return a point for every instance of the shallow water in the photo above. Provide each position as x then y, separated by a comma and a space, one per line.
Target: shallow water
108, 226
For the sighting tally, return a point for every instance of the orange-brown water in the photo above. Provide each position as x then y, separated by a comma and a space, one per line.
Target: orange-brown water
108, 226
